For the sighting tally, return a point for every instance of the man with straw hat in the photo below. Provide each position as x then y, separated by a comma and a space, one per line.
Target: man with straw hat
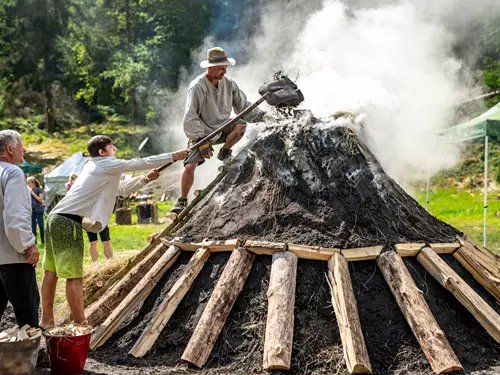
211, 98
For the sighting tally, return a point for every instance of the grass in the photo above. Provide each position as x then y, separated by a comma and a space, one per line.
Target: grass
127, 240
464, 211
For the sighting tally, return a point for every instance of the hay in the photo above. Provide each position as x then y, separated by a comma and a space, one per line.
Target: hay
98, 275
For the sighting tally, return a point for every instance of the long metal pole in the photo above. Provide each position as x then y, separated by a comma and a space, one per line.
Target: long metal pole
485, 187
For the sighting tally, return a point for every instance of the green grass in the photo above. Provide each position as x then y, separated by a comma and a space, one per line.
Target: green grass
127, 240
464, 211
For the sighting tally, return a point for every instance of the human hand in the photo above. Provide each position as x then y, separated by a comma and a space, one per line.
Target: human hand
152, 175
206, 150
181, 154
33, 255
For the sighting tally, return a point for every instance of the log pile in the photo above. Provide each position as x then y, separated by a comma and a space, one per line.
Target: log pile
15, 334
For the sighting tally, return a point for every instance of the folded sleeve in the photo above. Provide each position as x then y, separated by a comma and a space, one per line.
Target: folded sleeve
194, 127
17, 211
130, 185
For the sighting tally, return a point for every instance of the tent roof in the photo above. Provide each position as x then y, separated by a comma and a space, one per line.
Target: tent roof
74, 164
486, 124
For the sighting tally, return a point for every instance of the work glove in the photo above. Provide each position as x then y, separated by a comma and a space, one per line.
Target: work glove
206, 150
268, 118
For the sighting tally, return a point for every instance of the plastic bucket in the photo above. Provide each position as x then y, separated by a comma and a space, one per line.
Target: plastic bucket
67, 354
19, 358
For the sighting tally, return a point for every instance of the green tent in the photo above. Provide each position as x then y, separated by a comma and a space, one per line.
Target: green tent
30, 168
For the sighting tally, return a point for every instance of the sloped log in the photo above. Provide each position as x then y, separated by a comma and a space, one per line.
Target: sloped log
101, 309
135, 298
264, 247
481, 255
361, 253
280, 312
346, 311
170, 303
429, 335
444, 248
481, 274
219, 306
409, 249
312, 252
450, 280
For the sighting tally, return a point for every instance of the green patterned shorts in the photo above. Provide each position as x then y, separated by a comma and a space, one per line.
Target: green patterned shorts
64, 247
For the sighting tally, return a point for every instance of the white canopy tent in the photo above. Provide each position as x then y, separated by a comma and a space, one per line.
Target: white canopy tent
55, 181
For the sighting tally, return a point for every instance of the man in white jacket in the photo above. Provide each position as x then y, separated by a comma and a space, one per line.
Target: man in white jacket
88, 205
18, 252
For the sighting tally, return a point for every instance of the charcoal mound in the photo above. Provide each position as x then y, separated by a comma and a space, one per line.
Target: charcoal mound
313, 182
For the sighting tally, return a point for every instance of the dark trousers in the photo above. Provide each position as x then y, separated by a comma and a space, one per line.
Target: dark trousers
18, 286
37, 218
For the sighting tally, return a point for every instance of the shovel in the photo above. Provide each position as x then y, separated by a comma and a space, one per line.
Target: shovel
282, 92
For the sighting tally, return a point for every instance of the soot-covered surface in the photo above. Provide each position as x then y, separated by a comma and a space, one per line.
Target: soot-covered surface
312, 182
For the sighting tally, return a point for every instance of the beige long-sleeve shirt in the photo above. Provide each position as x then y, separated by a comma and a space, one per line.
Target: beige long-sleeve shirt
16, 234
94, 192
208, 107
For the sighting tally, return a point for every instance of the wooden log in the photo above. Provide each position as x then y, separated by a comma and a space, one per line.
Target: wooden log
135, 298
102, 308
445, 248
481, 255
409, 249
312, 252
362, 253
281, 300
481, 274
410, 299
212, 245
449, 279
169, 304
219, 306
346, 311
264, 247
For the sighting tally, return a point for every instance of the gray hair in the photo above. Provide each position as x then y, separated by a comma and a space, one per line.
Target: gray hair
8, 137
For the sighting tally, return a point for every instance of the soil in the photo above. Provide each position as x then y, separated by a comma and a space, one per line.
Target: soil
312, 182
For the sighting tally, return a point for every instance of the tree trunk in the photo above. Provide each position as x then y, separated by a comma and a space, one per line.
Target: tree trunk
49, 104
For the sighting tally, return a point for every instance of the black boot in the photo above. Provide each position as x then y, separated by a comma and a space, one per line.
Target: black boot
180, 205
224, 153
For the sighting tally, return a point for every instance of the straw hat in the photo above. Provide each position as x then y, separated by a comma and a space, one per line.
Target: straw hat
216, 57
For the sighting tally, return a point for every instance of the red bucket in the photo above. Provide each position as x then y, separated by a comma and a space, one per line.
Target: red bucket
67, 354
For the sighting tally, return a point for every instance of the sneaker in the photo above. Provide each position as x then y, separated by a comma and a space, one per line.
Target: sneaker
180, 205
224, 153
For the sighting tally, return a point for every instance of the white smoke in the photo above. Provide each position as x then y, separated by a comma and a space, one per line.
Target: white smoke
393, 63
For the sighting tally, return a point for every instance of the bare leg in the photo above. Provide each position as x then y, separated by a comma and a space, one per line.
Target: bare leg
108, 249
187, 179
74, 295
94, 251
49, 284
233, 137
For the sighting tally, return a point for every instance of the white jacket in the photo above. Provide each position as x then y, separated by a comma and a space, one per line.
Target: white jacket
16, 234
94, 192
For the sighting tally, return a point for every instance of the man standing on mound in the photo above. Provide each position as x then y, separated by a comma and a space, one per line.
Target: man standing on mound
211, 98
88, 205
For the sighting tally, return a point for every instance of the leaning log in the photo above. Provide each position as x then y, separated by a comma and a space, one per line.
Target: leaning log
281, 301
449, 279
170, 303
429, 335
101, 309
481, 274
346, 311
219, 306
481, 255
135, 298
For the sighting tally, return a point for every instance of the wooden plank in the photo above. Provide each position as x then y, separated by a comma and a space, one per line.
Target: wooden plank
450, 280
444, 248
135, 298
410, 299
264, 247
487, 261
478, 247
213, 245
409, 249
281, 300
219, 306
481, 274
169, 304
346, 311
361, 253
312, 252
102, 308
